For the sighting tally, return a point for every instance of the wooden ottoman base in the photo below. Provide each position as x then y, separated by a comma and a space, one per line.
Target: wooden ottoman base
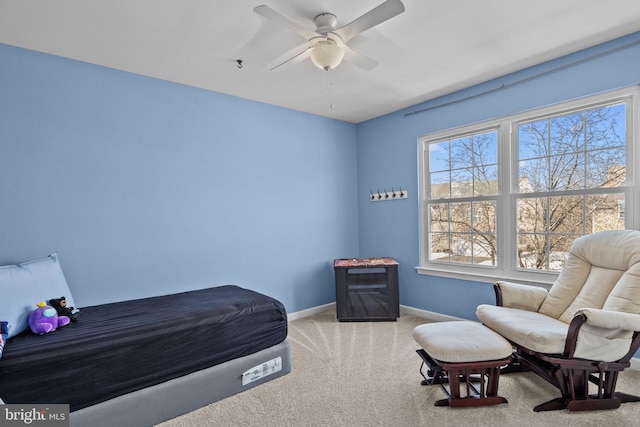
481, 380
464, 352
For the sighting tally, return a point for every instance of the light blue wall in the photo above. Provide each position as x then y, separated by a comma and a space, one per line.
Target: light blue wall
387, 156
146, 187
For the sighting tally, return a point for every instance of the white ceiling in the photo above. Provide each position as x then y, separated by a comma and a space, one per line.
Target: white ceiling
435, 47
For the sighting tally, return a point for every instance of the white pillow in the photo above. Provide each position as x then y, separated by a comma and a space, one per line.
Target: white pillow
24, 285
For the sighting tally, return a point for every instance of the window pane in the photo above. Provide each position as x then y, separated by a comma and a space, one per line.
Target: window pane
461, 153
439, 216
439, 156
585, 150
559, 250
532, 215
463, 232
485, 148
461, 247
486, 180
606, 127
484, 249
464, 167
543, 252
567, 134
462, 183
566, 215
606, 168
461, 217
532, 251
440, 185
567, 172
484, 216
534, 175
440, 249
606, 141
533, 140
604, 212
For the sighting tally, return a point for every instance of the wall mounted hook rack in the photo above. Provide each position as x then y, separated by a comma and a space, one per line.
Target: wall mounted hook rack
392, 194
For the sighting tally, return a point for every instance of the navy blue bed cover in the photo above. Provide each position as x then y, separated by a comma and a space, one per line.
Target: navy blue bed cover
122, 347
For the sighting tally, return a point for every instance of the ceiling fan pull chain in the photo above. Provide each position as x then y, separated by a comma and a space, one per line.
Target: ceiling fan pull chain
330, 86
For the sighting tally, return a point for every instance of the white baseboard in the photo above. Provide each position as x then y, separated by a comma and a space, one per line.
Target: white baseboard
429, 315
311, 311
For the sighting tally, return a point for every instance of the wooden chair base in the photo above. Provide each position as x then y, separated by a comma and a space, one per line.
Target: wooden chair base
591, 403
471, 401
572, 377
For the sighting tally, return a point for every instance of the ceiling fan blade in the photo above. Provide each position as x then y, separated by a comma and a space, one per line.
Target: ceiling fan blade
359, 59
271, 14
375, 16
293, 56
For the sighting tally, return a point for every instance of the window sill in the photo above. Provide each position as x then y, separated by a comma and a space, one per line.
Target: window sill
541, 279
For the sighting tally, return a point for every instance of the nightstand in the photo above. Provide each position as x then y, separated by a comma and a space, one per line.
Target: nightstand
367, 289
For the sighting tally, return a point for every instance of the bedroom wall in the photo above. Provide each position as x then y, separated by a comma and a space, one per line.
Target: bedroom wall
145, 187
387, 156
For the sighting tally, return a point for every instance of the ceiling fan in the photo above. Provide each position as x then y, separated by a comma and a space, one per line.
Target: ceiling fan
327, 45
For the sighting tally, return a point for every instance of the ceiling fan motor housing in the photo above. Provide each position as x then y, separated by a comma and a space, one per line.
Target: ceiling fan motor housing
325, 22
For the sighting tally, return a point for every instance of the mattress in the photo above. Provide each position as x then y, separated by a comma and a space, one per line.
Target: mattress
118, 348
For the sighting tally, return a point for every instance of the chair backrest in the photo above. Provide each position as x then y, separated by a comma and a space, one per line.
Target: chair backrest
602, 271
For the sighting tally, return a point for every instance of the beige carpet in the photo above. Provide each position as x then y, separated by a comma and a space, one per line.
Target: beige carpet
367, 374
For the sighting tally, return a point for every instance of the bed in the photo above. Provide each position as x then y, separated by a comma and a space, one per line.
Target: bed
144, 361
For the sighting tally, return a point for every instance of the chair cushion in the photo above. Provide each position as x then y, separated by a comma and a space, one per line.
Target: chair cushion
625, 296
602, 271
594, 292
529, 329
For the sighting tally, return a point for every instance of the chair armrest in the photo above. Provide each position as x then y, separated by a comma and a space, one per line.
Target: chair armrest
523, 297
603, 335
609, 319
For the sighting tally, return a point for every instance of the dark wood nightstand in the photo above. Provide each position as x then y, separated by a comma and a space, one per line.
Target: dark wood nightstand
367, 289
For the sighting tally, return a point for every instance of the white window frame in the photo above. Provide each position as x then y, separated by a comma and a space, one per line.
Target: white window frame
506, 228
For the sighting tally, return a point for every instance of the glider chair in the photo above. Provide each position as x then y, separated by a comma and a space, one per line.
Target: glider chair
584, 330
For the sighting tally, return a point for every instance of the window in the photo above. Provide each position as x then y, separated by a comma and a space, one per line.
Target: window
571, 174
509, 197
463, 176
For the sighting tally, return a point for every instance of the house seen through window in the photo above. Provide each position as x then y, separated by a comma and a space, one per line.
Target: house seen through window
513, 194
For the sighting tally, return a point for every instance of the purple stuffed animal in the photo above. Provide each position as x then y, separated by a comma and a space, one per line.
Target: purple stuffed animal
45, 319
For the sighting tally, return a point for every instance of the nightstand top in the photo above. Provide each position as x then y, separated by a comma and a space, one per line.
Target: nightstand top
364, 262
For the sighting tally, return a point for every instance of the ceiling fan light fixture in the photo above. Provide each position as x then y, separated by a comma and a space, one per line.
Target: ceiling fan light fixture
327, 55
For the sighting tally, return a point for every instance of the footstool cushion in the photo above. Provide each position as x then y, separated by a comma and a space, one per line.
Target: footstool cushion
461, 352
462, 341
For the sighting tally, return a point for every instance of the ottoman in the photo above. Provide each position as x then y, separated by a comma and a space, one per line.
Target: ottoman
463, 352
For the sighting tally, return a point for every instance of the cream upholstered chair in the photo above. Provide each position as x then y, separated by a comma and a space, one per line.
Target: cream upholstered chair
585, 329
